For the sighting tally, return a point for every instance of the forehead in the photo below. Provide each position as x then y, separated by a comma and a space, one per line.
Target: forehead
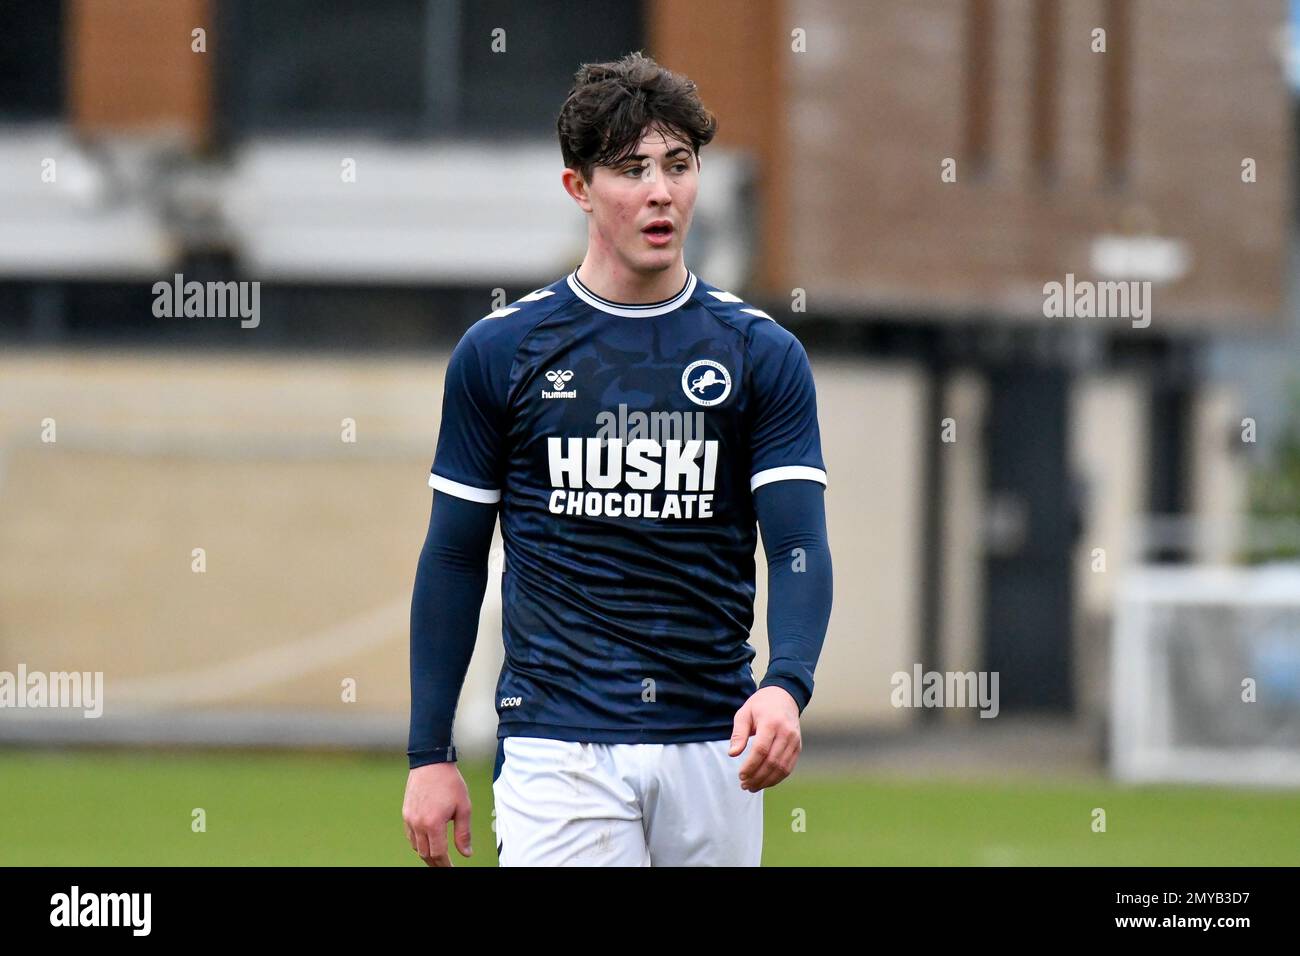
656, 142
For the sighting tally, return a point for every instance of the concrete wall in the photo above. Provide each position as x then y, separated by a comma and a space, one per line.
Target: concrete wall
311, 543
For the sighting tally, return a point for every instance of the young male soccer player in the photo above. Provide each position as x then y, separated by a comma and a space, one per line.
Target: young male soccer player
631, 422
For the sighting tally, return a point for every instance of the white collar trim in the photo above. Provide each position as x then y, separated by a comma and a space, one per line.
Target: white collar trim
632, 311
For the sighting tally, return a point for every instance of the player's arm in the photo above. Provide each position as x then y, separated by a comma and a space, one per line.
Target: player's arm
792, 519
787, 480
450, 580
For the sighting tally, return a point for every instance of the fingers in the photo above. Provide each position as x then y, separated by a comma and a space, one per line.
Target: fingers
421, 841
418, 843
779, 764
428, 838
430, 852
436, 834
760, 748
435, 797
774, 752
741, 728
461, 830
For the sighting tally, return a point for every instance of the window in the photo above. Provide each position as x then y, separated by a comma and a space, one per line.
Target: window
417, 67
31, 60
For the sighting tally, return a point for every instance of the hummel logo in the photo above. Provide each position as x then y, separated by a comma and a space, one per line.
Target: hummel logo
560, 378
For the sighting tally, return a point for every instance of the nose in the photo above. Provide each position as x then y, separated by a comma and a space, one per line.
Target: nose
659, 194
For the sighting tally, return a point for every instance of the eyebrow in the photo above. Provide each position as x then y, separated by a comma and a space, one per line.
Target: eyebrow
672, 152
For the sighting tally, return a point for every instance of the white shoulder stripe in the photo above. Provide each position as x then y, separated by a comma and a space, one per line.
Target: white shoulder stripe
731, 297
784, 473
485, 496
530, 297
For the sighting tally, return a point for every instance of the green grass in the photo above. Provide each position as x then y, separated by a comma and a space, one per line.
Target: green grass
134, 808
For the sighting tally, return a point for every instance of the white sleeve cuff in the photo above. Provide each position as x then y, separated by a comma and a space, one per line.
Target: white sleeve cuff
485, 496
784, 473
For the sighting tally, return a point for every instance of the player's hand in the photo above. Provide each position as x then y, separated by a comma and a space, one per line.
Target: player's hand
771, 717
435, 796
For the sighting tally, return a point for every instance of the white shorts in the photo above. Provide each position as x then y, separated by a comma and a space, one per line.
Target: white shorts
562, 803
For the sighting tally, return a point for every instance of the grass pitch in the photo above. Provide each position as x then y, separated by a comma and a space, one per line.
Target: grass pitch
134, 808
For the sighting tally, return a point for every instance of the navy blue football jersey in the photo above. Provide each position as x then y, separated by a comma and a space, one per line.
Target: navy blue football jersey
623, 443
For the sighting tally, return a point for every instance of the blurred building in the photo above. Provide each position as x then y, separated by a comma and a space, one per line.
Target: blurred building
896, 182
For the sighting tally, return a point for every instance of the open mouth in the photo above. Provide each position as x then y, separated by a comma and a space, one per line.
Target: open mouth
659, 229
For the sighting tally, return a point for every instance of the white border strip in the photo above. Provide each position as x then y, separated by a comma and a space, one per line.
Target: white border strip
633, 313
786, 472
484, 496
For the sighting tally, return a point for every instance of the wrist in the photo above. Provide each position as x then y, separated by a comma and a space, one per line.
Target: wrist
423, 758
791, 688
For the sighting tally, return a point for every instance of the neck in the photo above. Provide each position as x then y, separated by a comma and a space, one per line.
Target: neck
613, 280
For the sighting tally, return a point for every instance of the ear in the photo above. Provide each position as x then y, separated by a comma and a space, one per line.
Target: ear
574, 185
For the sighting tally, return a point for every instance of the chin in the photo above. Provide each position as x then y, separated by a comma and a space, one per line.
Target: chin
660, 259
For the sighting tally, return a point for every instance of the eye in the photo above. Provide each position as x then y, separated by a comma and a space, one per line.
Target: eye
632, 171
679, 167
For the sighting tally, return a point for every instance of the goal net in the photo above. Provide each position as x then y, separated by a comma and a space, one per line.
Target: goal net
1205, 675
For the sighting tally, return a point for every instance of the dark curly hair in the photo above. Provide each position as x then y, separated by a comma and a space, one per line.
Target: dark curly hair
612, 105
